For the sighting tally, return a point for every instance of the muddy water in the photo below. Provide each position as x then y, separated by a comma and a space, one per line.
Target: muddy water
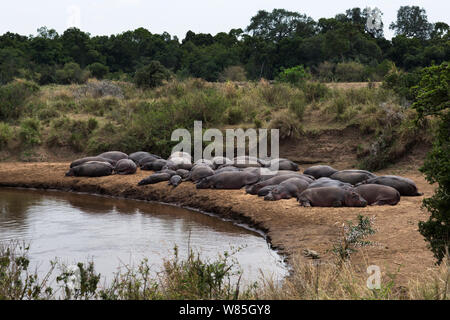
113, 233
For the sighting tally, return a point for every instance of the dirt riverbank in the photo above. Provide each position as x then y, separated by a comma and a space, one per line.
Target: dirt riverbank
289, 227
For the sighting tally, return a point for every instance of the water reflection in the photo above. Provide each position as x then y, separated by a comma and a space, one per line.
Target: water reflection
110, 231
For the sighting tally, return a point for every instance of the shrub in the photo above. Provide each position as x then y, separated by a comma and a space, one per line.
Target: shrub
98, 70
151, 76
5, 134
402, 83
234, 115
13, 97
288, 126
297, 105
30, 132
325, 71
350, 72
295, 75
314, 91
65, 132
233, 73
71, 73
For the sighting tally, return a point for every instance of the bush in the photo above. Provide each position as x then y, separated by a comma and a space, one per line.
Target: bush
402, 83
288, 126
71, 73
98, 70
233, 73
5, 134
295, 75
30, 132
65, 132
297, 105
350, 72
325, 71
13, 97
234, 115
314, 91
151, 76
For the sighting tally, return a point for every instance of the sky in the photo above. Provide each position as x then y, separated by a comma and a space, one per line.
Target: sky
107, 17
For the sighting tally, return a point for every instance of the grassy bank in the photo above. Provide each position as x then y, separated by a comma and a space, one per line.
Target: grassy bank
195, 278
101, 115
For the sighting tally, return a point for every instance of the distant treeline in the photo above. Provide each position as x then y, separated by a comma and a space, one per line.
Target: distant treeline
332, 49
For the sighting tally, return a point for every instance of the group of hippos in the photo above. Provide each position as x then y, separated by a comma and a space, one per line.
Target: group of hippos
319, 185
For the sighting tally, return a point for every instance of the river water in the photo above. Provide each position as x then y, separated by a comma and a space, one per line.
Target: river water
114, 232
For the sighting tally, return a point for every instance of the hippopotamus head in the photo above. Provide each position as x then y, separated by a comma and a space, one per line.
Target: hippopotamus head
70, 173
203, 183
277, 193
354, 199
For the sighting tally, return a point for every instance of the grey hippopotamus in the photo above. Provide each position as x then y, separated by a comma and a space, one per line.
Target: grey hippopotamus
125, 166
227, 168
146, 159
140, 155
114, 155
405, 186
175, 180
265, 190
183, 173
200, 172
320, 171
180, 154
282, 164
219, 161
228, 180
246, 162
91, 169
352, 176
87, 159
331, 197
155, 178
155, 165
287, 189
205, 162
254, 189
327, 182
377, 194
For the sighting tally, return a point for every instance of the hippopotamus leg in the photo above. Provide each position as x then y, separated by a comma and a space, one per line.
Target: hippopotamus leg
304, 202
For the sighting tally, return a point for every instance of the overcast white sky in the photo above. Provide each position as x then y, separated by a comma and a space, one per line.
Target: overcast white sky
106, 17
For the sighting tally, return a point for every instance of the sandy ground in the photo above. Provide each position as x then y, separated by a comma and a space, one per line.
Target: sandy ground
399, 247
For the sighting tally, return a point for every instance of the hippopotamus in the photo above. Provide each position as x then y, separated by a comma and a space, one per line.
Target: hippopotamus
138, 156
114, 155
175, 180
91, 169
331, 197
125, 166
327, 182
180, 154
287, 189
377, 194
405, 186
155, 178
274, 181
282, 164
228, 180
227, 168
352, 176
246, 162
87, 159
218, 161
171, 172
183, 173
204, 162
265, 190
181, 163
155, 165
320, 171
146, 159
200, 172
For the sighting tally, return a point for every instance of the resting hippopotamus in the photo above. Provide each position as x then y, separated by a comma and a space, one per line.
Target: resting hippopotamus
155, 165
178, 163
227, 168
87, 159
282, 164
125, 166
405, 186
200, 172
327, 182
331, 197
138, 156
265, 190
146, 159
320, 171
175, 180
155, 178
183, 173
246, 162
254, 189
180, 154
114, 155
352, 176
287, 189
228, 180
91, 169
377, 194
218, 161
204, 162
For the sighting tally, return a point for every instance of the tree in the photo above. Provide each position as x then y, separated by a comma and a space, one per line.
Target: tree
151, 76
412, 22
98, 70
432, 98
